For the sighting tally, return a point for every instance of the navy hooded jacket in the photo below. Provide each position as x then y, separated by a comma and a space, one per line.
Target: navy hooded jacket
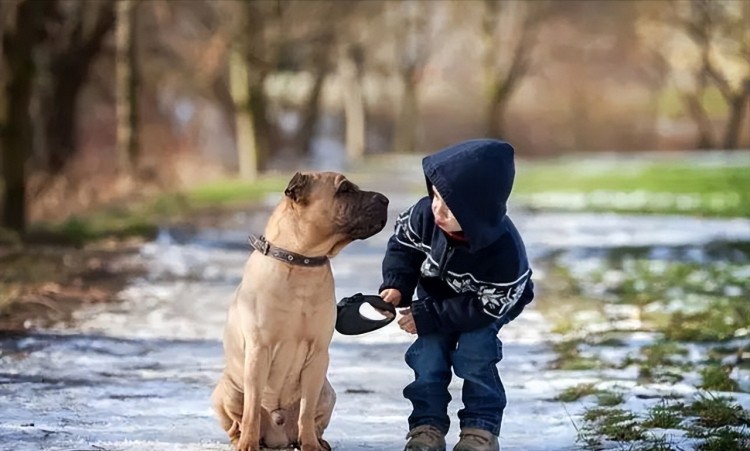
462, 286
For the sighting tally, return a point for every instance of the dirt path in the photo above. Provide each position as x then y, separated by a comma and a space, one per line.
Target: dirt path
137, 374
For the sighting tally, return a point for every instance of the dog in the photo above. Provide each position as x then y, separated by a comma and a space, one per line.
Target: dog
274, 391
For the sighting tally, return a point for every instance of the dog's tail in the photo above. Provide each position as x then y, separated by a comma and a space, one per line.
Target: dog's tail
278, 417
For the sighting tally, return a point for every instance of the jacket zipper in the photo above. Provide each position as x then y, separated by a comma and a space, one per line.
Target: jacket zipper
445, 259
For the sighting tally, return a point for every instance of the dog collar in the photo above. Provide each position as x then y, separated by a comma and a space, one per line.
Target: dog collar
260, 244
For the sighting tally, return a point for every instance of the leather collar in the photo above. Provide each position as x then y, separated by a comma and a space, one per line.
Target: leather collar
260, 244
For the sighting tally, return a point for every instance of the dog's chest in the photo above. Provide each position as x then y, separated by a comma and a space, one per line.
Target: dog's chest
291, 304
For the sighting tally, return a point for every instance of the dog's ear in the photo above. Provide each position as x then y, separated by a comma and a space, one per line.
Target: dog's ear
298, 187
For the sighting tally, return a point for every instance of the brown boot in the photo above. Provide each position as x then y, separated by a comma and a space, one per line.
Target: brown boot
425, 438
473, 439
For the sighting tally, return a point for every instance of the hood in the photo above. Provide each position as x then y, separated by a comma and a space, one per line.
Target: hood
475, 179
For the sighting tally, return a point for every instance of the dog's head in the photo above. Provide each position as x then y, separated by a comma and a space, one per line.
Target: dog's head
329, 208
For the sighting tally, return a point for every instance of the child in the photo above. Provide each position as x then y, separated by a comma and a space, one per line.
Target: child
467, 261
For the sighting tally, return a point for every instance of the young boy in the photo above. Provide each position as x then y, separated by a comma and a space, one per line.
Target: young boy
467, 261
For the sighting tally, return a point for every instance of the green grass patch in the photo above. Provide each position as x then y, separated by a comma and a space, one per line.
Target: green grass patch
663, 353
609, 398
718, 411
659, 362
716, 377
570, 358
80, 230
576, 392
720, 321
707, 302
725, 439
664, 416
663, 187
142, 218
720, 423
227, 192
615, 424
717, 354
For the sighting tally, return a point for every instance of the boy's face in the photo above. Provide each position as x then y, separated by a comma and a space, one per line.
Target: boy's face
443, 216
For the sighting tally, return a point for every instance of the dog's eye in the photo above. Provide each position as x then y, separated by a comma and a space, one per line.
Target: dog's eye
346, 187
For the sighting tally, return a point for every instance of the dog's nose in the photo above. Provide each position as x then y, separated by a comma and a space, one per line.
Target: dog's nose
377, 197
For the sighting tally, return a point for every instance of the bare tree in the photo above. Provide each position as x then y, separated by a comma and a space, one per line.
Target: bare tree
127, 81
736, 29
246, 138
720, 53
21, 39
509, 30
351, 68
255, 40
80, 35
322, 47
411, 33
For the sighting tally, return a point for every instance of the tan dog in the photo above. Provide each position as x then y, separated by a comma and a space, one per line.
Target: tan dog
274, 391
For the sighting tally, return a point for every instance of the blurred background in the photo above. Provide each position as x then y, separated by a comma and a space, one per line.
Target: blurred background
110, 100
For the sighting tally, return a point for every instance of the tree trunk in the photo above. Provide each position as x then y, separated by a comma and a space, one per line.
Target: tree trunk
497, 105
17, 141
354, 103
17, 138
311, 112
502, 80
126, 75
406, 125
262, 128
737, 108
62, 133
69, 71
247, 151
705, 139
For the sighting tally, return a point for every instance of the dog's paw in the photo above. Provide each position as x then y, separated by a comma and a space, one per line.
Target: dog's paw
322, 445
245, 444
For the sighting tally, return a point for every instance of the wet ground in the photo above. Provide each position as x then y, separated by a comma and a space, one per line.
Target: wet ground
137, 374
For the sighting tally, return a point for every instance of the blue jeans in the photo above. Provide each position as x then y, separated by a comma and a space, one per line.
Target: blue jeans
473, 356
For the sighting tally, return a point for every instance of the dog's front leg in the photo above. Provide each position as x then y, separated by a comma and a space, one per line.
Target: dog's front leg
311, 384
256, 368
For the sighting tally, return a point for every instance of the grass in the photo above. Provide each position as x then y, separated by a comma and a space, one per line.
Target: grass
604, 398
612, 423
664, 416
718, 411
726, 440
570, 357
228, 192
576, 392
721, 425
662, 187
142, 219
709, 301
716, 377
697, 320
26, 271
609, 398
719, 321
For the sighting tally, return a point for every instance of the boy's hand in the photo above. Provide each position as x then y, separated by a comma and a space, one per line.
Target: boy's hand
391, 296
406, 322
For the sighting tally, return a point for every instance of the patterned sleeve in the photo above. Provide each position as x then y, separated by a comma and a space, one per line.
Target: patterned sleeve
405, 253
477, 305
